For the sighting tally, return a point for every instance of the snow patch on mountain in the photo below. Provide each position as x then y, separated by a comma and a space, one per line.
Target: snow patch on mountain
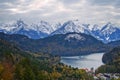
74, 36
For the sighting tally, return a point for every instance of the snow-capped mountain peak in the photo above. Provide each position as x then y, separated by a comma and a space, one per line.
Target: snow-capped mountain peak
71, 26
17, 26
13, 27
56, 26
36, 30
109, 28
42, 26
109, 32
20, 23
95, 27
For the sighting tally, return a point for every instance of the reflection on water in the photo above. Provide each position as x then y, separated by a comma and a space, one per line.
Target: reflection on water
87, 61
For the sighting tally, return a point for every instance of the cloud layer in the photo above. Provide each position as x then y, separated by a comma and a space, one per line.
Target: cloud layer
87, 11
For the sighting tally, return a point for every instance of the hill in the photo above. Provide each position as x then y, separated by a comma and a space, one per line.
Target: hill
19, 65
112, 61
61, 44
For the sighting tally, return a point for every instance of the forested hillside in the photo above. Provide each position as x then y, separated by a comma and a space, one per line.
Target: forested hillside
16, 64
62, 44
112, 61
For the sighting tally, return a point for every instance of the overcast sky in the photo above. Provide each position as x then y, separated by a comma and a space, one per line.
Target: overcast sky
86, 11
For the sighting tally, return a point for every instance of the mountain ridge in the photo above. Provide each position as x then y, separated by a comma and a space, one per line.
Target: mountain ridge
61, 44
107, 33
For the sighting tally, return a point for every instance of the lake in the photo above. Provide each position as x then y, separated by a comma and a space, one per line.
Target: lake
86, 61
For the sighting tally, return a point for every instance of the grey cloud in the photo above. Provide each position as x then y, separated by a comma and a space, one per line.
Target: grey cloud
11, 1
117, 4
117, 17
69, 1
92, 11
114, 3
102, 2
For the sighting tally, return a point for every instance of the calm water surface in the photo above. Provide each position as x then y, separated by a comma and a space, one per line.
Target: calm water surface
87, 61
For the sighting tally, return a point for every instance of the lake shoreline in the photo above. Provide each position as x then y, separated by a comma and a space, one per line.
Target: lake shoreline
84, 54
83, 61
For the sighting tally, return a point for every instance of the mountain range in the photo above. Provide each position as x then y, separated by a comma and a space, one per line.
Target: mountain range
34, 31
107, 33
